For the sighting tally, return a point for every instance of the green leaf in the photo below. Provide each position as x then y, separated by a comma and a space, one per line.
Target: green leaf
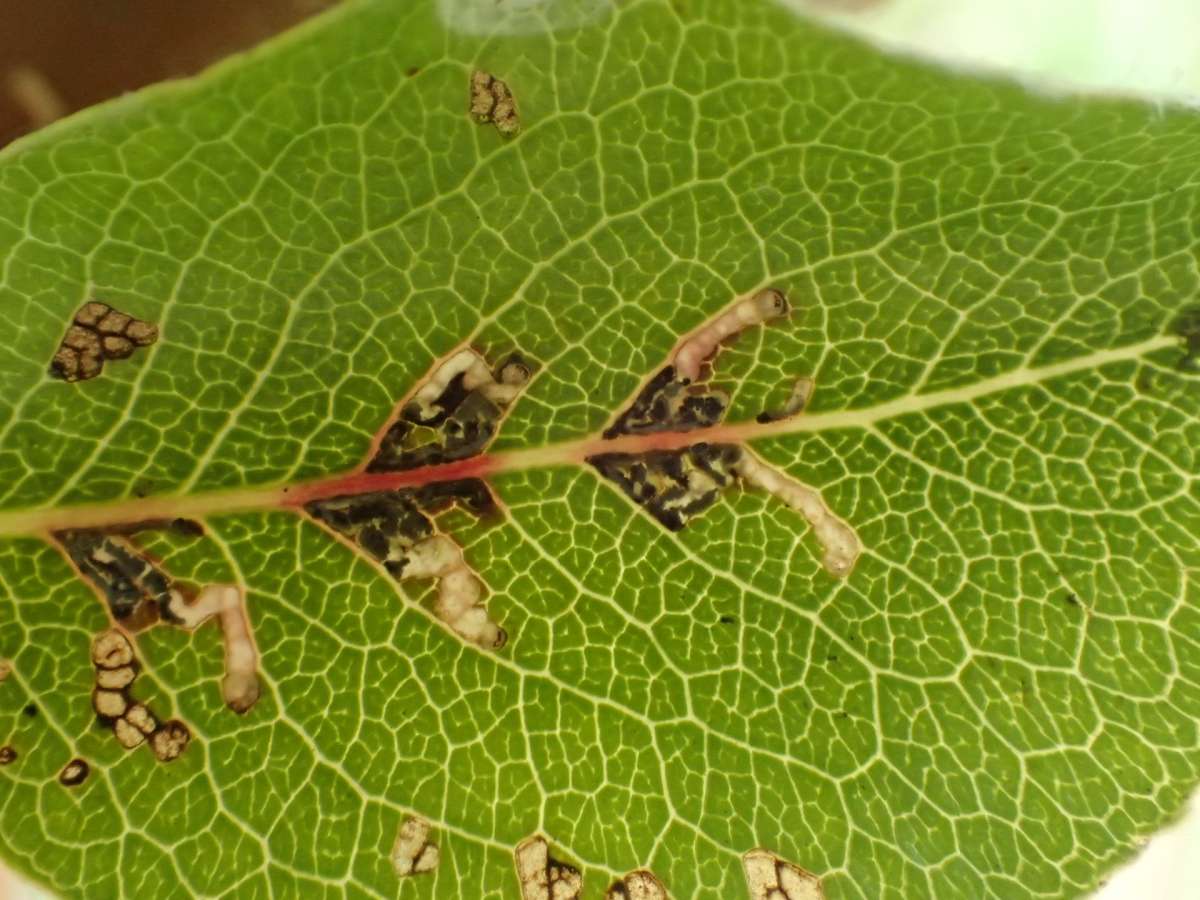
991, 288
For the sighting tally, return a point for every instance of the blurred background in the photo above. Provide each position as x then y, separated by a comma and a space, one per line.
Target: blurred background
57, 56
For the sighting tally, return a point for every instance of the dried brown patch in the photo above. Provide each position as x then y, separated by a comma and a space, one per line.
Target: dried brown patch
542, 877
492, 102
673, 486
770, 877
132, 722
134, 589
639, 885
454, 414
169, 741
74, 773
111, 650
413, 853
671, 403
98, 333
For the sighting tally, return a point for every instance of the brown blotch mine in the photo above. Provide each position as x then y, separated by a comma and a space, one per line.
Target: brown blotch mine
671, 403
74, 773
169, 741
454, 415
639, 885
133, 587
770, 877
7, 755
111, 650
132, 723
492, 102
98, 333
413, 853
673, 486
543, 877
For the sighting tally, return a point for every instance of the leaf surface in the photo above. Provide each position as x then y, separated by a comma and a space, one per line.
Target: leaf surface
1002, 698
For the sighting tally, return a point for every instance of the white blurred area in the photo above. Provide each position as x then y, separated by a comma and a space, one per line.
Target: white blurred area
1144, 47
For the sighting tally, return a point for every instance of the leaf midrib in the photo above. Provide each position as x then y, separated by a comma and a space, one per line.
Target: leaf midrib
39, 521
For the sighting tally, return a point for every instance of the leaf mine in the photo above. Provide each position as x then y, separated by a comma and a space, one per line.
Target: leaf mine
639, 885
770, 877
138, 594
672, 485
492, 103
169, 741
796, 401
131, 722
676, 485
413, 853
74, 773
703, 343
541, 876
133, 588
226, 603
98, 333
839, 540
452, 415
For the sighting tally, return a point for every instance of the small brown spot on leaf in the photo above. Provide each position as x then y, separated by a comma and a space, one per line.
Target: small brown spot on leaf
141, 718
30, 710
169, 741
109, 704
769, 877
115, 679
187, 527
5, 668
492, 102
542, 877
127, 735
98, 333
7, 755
74, 773
111, 650
413, 853
639, 885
